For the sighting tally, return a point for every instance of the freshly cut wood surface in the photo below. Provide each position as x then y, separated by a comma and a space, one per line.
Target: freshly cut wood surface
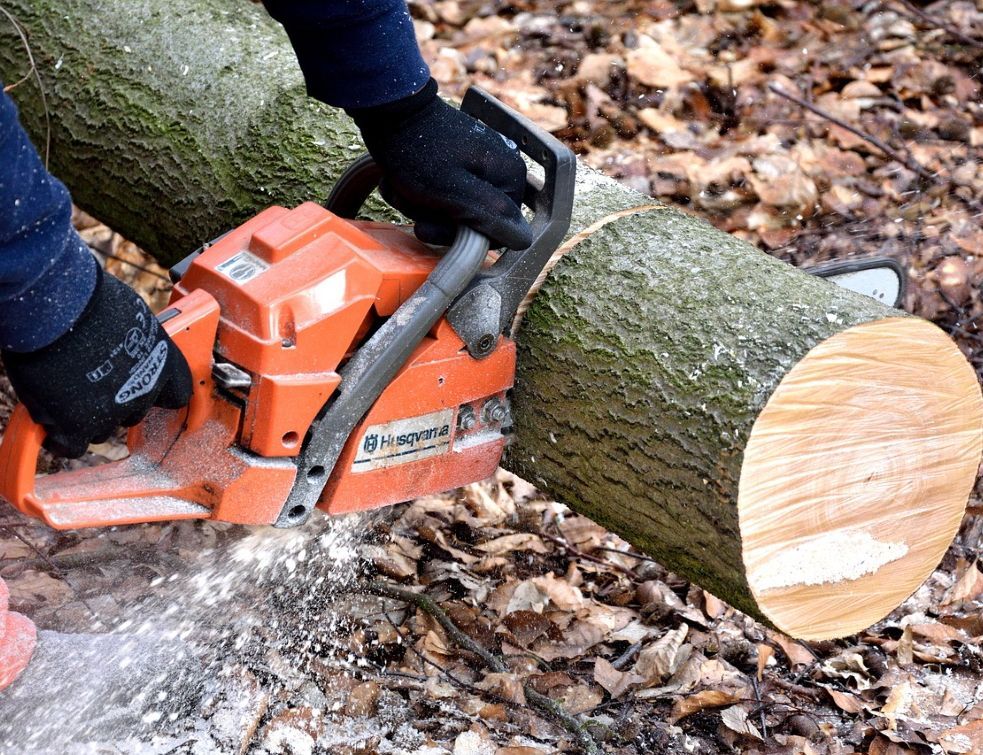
856, 474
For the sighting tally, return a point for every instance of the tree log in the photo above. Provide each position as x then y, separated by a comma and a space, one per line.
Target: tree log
800, 451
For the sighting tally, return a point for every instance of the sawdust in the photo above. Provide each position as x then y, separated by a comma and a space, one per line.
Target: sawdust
827, 559
194, 646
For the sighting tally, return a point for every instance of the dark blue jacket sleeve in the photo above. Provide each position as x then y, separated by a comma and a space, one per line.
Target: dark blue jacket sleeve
47, 273
354, 53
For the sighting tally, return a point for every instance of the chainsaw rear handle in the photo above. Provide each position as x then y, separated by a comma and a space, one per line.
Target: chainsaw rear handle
487, 306
23, 437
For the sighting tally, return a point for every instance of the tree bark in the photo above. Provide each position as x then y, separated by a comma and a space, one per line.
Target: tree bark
645, 361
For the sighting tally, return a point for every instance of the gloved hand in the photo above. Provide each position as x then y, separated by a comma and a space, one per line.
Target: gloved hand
442, 168
108, 370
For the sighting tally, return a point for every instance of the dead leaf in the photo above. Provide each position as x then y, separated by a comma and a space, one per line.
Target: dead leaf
845, 701
967, 587
661, 659
614, 681
506, 685
518, 541
735, 719
708, 698
651, 65
765, 653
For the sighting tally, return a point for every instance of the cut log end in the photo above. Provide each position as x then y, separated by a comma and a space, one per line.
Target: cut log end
856, 476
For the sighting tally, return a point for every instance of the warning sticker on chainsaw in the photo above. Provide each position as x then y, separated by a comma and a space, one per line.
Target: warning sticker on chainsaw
242, 268
404, 440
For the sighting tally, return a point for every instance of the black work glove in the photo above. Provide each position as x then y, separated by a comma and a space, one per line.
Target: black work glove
113, 364
443, 168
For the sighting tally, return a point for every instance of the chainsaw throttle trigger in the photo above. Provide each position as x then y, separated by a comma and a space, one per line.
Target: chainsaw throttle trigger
488, 305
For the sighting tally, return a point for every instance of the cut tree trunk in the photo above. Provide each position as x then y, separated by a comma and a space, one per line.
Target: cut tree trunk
800, 451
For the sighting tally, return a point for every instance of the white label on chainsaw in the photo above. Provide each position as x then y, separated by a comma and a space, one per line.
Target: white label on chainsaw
242, 268
404, 440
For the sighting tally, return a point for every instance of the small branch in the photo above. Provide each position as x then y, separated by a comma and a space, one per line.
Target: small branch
57, 570
587, 556
552, 709
138, 266
37, 76
938, 24
909, 163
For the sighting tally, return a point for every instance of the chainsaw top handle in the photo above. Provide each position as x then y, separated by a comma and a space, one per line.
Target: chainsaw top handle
488, 305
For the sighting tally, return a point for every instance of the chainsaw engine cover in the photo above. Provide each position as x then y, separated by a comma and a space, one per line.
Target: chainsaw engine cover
298, 291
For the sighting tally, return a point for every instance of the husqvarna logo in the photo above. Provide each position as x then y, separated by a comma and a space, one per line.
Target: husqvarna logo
404, 440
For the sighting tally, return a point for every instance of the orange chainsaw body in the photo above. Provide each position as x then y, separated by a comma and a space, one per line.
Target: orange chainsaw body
279, 304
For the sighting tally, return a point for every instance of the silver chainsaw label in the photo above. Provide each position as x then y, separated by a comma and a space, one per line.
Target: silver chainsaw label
242, 267
404, 440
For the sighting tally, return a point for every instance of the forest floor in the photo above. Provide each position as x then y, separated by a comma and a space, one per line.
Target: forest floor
817, 132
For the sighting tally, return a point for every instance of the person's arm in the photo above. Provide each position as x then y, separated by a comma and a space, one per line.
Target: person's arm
440, 166
354, 53
47, 273
83, 352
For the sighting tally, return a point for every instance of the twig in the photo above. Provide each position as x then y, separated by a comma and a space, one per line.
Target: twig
587, 556
57, 571
909, 163
79, 560
761, 707
442, 671
138, 266
552, 709
939, 24
636, 556
626, 656
37, 77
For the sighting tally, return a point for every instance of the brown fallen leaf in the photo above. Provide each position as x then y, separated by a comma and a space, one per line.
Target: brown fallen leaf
765, 653
519, 541
506, 685
708, 698
614, 681
661, 659
967, 587
845, 701
735, 719
967, 738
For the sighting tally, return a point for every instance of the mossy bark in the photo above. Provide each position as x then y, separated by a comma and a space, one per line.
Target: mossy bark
645, 359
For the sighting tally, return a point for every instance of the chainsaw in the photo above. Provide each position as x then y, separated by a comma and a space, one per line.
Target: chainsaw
337, 363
